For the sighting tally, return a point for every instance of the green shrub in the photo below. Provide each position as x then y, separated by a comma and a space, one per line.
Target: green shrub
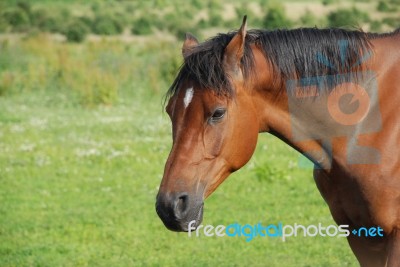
308, 19
198, 4
96, 7
383, 6
180, 25
375, 26
76, 31
3, 24
39, 16
53, 24
25, 6
203, 24
276, 18
142, 26
347, 18
17, 18
107, 25
214, 5
328, 2
257, 22
64, 13
44, 21
130, 8
215, 19
388, 5
392, 22
87, 21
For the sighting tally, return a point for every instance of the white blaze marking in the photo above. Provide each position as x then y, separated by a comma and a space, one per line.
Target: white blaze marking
188, 97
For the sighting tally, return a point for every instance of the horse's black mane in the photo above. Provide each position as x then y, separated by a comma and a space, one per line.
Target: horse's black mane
298, 53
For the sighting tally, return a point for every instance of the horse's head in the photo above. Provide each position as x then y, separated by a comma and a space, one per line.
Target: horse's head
214, 134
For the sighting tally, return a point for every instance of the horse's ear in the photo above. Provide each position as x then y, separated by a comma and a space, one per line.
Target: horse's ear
189, 43
234, 52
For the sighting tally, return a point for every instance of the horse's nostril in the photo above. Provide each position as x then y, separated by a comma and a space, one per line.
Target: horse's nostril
181, 206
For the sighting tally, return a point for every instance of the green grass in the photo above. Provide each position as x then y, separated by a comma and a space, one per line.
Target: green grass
78, 188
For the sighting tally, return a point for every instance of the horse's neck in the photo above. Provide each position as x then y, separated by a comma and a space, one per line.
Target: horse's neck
324, 126
302, 127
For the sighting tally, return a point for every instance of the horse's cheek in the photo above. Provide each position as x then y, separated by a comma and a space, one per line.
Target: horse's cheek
245, 139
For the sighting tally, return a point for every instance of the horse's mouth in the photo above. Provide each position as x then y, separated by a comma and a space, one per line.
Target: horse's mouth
181, 224
196, 223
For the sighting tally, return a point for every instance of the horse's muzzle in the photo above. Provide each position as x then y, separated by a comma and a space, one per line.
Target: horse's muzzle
177, 210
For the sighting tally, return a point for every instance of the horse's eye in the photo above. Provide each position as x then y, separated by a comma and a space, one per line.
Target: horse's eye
218, 114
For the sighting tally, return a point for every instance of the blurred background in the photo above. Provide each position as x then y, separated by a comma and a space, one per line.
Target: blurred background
83, 135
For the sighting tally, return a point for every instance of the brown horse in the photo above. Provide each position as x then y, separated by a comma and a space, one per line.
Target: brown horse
332, 94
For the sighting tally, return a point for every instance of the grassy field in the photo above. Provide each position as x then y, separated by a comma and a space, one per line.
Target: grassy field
78, 189
83, 142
